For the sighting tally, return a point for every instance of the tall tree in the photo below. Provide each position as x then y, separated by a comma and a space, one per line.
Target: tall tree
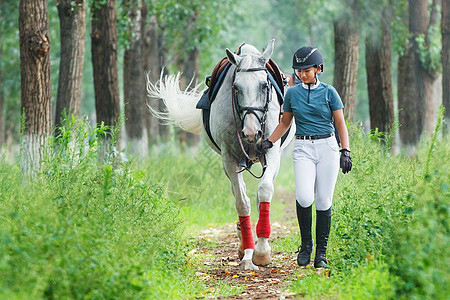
346, 47
134, 82
35, 81
379, 78
416, 75
152, 67
2, 97
104, 61
72, 29
445, 56
190, 64
155, 54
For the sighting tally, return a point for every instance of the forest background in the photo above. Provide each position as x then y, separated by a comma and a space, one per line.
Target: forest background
383, 57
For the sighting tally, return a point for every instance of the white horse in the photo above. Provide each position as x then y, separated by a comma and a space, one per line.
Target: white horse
244, 112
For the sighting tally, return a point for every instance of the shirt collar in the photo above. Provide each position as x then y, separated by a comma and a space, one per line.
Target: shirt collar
312, 86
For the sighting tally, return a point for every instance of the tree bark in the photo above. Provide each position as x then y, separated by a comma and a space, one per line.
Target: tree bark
104, 61
379, 79
35, 81
134, 85
153, 69
148, 63
433, 97
73, 26
164, 130
2, 101
415, 92
445, 57
191, 66
346, 44
155, 61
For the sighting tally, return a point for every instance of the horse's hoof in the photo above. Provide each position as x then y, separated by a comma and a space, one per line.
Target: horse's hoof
261, 259
247, 265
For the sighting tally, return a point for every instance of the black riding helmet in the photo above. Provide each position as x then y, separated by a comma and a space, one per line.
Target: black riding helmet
307, 57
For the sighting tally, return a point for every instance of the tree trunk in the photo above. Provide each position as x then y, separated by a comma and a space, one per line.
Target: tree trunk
164, 130
445, 56
379, 79
104, 61
35, 81
134, 85
73, 26
346, 44
191, 66
407, 111
433, 97
2, 100
152, 68
415, 89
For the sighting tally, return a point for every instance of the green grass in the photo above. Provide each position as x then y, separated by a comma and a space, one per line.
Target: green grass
84, 229
390, 231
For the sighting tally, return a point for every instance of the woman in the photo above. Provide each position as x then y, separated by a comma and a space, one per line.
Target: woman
316, 153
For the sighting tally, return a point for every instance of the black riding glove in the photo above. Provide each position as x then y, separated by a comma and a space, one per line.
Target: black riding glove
266, 144
346, 161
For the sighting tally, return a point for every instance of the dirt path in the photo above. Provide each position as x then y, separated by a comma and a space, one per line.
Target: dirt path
217, 257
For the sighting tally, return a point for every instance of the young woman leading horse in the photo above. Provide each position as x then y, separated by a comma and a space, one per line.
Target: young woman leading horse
244, 112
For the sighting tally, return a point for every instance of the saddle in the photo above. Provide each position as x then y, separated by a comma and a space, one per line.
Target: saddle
215, 81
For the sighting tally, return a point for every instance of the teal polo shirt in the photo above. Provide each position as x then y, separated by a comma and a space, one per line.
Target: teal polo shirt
312, 107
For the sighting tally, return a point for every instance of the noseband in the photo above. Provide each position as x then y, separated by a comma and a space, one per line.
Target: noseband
251, 110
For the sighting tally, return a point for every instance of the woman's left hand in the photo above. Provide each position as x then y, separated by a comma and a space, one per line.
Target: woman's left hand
346, 161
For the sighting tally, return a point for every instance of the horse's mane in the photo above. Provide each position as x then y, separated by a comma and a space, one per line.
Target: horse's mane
249, 54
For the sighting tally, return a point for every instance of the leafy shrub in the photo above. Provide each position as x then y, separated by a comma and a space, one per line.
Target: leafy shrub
419, 253
82, 229
369, 202
392, 210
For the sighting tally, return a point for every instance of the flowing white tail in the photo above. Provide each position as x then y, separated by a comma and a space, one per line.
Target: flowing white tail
180, 104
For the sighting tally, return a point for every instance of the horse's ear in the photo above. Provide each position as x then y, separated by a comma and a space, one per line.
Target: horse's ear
269, 50
234, 59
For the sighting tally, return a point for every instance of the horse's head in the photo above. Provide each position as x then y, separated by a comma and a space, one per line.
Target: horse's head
251, 90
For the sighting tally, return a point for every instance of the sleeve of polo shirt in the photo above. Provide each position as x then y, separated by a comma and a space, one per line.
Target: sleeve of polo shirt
287, 101
335, 99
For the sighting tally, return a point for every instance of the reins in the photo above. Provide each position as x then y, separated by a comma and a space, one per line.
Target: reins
249, 109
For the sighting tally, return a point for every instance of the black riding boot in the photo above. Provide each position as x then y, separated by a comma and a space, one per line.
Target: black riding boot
304, 216
323, 223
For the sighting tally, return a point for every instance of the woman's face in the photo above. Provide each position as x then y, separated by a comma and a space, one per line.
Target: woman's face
307, 75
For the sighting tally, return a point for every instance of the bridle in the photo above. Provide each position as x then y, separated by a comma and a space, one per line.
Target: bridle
237, 109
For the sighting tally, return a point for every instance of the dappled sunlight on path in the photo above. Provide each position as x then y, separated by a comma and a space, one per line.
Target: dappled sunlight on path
218, 263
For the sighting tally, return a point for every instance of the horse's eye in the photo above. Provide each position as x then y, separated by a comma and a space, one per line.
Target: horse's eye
264, 86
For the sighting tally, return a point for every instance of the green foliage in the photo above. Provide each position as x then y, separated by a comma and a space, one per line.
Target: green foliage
419, 250
390, 229
84, 230
429, 49
371, 280
197, 184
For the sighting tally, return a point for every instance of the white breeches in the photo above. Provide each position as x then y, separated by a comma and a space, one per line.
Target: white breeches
316, 168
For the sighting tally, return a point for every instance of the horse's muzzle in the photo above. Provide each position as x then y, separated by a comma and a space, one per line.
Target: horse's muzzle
252, 138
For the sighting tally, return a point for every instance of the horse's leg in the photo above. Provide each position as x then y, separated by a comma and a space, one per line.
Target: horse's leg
261, 256
243, 209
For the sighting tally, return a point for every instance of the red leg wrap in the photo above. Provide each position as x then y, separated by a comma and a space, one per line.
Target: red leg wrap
246, 230
263, 226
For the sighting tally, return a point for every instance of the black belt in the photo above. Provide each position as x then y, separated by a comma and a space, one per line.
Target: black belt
314, 137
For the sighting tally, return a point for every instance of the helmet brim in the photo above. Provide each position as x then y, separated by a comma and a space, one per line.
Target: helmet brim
303, 67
